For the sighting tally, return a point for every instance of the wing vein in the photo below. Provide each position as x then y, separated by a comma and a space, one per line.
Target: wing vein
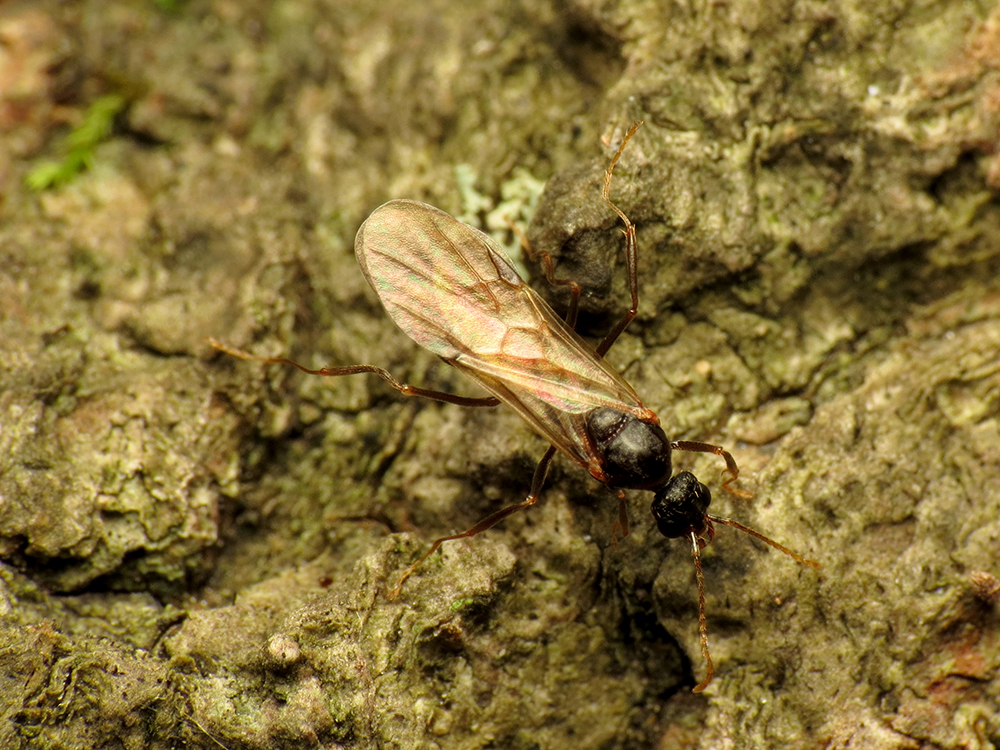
454, 291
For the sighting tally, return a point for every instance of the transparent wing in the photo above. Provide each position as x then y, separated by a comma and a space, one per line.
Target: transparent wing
454, 291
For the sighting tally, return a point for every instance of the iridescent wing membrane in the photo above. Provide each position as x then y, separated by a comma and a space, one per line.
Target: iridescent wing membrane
454, 291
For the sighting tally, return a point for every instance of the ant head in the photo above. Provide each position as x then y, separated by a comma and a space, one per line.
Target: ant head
634, 454
681, 506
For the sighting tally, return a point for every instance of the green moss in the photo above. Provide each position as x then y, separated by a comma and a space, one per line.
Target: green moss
79, 145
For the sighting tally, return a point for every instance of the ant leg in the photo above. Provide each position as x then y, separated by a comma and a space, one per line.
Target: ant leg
536, 488
548, 268
621, 525
631, 252
406, 390
731, 468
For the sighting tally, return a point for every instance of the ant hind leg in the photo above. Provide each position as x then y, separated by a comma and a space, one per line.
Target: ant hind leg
405, 389
489, 522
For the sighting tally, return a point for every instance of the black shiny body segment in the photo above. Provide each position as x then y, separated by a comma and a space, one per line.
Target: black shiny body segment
635, 455
681, 507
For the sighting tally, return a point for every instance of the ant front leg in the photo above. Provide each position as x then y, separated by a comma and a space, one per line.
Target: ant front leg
731, 468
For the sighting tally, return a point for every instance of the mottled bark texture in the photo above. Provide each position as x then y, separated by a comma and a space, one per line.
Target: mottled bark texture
196, 550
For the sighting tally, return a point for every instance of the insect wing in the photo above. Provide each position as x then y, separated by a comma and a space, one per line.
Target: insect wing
454, 291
